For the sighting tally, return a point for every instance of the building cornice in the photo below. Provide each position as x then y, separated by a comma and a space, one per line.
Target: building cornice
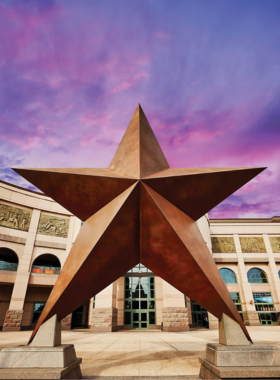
274, 219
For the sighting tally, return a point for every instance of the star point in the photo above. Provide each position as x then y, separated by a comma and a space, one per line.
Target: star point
139, 210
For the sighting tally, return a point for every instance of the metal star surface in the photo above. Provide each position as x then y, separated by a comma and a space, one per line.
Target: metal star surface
139, 210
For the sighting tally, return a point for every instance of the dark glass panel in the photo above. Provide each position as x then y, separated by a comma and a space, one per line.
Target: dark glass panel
127, 318
152, 318
143, 317
144, 305
127, 294
135, 304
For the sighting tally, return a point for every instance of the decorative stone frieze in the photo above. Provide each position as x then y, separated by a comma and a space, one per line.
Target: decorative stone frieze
252, 245
14, 217
53, 226
175, 319
275, 243
66, 322
223, 245
12, 321
104, 319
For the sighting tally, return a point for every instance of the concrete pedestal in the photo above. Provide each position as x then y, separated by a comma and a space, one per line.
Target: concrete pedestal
29, 362
239, 362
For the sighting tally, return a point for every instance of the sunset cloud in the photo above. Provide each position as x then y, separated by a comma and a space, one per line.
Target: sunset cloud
72, 74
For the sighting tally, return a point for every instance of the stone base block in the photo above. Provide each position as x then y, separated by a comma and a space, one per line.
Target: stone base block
73, 371
213, 322
239, 362
251, 318
28, 362
104, 329
175, 328
12, 321
175, 319
66, 322
104, 319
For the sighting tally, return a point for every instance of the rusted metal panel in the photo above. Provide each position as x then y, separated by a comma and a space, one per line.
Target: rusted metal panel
139, 210
197, 191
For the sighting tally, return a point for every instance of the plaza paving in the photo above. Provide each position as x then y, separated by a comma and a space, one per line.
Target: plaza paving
141, 354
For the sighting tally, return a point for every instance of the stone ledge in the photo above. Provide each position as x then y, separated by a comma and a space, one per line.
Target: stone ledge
44, 357
48, 244
175, 328
12, 239
242, 356
210, 371
72, 371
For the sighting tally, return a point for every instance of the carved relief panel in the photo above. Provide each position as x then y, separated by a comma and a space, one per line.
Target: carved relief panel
252, 245
223, 245
14, 217
53, 226
275, 243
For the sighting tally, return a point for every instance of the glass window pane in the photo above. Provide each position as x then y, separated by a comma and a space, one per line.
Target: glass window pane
135, 304
144, 305
127, 304
152, 318
127, 318
143, 317
127, 294
151, 304
257, 276
144, 325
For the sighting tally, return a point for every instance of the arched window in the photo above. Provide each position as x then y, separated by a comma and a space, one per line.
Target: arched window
228, 276
257, 276
48, 264
8, 259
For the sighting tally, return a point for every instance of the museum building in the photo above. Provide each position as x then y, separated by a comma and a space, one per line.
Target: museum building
36, 235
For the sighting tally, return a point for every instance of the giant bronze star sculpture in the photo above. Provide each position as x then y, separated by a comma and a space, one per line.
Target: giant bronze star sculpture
139, 210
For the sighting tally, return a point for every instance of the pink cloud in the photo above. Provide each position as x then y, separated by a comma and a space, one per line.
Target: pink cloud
163, 35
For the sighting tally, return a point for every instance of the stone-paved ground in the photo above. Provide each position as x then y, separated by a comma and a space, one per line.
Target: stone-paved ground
141, 354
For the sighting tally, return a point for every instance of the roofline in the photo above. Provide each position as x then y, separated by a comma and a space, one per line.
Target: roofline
274, 219
23, 188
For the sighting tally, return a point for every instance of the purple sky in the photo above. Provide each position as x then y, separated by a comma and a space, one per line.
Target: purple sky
207, 74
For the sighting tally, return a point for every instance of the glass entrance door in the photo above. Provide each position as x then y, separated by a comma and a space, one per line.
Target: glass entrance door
140, 320
265, 319
139, 303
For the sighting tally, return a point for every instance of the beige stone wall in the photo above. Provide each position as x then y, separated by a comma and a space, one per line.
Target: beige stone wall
5, 297
19, 290
254, 249
28, 245
33, 294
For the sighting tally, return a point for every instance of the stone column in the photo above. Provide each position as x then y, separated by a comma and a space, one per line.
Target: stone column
189, 311
174, 312
213, 322
105, 313
274, 278
14, 315
66, 322
251, 316
90, 308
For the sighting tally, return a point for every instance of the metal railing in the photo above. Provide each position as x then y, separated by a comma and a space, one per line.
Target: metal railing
8, 266
45, 270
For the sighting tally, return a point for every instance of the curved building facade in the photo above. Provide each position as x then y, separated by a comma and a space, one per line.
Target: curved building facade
36, 235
